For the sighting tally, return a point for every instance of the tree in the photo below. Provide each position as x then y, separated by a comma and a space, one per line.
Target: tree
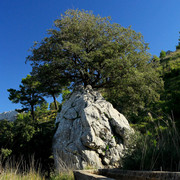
88, 49
50, 83
178, 46
28, 94
52, 105
23, 139
135, 93
162, 54
171, 95
155, 59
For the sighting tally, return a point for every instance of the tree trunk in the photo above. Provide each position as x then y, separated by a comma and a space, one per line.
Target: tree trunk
85, 84
55, 102
32, 112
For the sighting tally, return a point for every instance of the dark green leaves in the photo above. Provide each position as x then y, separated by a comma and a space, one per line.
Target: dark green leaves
89, 49
28, 95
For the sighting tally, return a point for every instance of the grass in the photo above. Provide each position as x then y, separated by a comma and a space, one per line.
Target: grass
20, 171
64, 172
155, 150
12, 170
63, 176
12, 175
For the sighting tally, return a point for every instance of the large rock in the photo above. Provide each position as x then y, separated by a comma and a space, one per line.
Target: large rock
90, 131
10, 115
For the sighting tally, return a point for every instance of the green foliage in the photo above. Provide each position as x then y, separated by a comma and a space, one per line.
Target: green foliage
6, 133
155, 58
52, 105
89, 49
156, 61
155, 150
24, 130
162, 54
65, 93
63, 176
107, 147
156, 145
50, 83
41, 112
5, 153
136, 92
171, 76
178, 46
171, 95
28, 95
26, 138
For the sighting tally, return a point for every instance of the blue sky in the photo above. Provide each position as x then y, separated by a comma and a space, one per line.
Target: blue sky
24, 21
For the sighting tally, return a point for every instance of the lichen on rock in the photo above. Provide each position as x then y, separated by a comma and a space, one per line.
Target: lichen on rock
90, 131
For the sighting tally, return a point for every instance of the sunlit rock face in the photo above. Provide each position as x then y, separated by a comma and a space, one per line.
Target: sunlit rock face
10, 115
90, 131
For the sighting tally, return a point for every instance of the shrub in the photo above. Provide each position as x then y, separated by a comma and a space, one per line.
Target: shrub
158, 150
27, 138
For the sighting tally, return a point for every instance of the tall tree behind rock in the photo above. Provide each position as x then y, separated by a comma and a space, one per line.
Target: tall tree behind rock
88, 49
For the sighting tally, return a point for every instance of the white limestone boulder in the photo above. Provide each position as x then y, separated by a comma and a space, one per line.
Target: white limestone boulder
90, 131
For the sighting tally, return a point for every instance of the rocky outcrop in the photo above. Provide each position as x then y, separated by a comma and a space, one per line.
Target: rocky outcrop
90, 131
10, 115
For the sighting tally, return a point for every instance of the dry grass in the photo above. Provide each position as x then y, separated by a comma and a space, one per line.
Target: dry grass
12, 175
12, 170
64, 172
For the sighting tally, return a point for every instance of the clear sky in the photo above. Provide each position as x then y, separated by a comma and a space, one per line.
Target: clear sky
24, 21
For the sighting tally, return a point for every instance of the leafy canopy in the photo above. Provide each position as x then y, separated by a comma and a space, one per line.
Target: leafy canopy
89, 49
50, 83
162, 54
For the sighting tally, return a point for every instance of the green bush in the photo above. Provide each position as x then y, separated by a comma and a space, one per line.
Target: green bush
178, 47
26, 138
155, 150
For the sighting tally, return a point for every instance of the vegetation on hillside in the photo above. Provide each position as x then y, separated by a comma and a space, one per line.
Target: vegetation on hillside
158, 136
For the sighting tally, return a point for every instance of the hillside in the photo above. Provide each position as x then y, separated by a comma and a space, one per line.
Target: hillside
170, 68
171, 61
